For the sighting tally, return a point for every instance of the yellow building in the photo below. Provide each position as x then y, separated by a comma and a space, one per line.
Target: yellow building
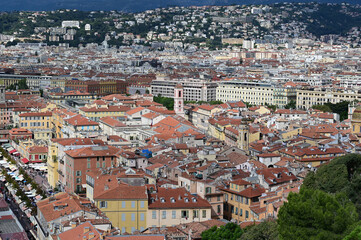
169, 207
356, 121
95, 113
239, 198
40, 123
125, 206
58, 121
52, 163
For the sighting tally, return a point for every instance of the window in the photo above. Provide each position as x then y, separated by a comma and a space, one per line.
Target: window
98, 164
142, 204
246, 214
103, 164
88, 163
246, 200
218, 209
185, 214
236, 210
123, 217
218, 198
133, 217
123, 204
241, 212
174, 214
195, 213
208, 190
154, 214
204, 213
78, 173
164, 214
232, 209
133, 204
78, 180
133, 229
142, 217
123, 229
103, 204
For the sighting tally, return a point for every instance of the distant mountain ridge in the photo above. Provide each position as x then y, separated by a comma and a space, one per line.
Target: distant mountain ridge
131, 6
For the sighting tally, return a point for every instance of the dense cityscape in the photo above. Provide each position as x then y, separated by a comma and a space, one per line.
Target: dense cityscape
181, 123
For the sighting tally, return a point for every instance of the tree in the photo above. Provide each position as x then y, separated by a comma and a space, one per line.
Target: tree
137, 92
314, 214
147, 91
323, 108
41, 92
230, 231
167, 102
265, 231
291, 105
340, 175
355, 234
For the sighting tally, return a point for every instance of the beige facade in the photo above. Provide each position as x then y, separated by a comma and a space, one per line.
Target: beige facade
250, 92
307, 98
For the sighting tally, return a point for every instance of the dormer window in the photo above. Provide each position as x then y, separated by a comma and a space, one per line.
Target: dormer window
152, 200
162, 200
172, 200
186, 200
194, 199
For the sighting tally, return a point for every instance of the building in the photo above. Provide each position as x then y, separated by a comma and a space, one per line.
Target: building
102, 87
53, 211
70, 24
95, 112
255, 93
79, 161
306, 98
39, 123
238, 199
169, 207
20, 133
125, 206
178, 100
193, 89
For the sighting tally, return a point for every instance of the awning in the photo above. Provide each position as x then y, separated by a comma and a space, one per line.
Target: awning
12, 151
25, 160
16, 153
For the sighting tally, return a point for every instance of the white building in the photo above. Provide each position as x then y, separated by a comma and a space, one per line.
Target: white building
250, 92
70, 24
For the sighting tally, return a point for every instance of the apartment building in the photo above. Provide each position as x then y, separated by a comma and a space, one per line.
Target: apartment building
255, 93
79, 161
239, 198
306, 98
168, 207
40, 123
193, 89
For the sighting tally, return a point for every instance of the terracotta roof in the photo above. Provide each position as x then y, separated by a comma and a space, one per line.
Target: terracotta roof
81, 232
93, 152
36, 114
176, 198
112, 122
79, 120
124, 192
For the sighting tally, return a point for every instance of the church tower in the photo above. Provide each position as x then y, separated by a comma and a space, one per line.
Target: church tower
178, 100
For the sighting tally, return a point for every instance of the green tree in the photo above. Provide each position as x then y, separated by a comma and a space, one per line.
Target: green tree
323, 108
230, 231
314, 214
291, 105
147, 91
165, 101
267, 230
342, 174
137, 92
355, 234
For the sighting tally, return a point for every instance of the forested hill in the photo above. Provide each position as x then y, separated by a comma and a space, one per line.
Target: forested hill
131, 6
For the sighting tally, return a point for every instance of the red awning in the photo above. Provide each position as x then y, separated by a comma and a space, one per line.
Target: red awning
25, 160
36, 161
12, 151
